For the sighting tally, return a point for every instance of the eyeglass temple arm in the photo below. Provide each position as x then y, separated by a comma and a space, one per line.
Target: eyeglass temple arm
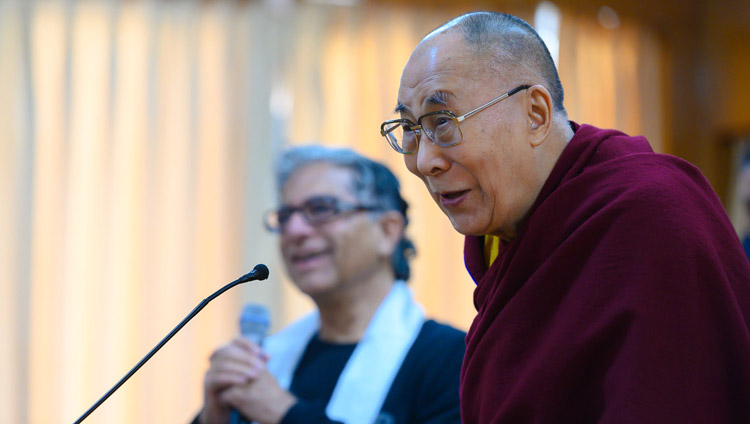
492, 102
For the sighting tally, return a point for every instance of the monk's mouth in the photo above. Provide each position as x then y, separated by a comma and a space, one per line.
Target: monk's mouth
453, 195
453, 198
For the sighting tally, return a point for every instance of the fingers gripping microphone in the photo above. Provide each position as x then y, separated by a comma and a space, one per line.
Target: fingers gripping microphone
254, 324
260, 272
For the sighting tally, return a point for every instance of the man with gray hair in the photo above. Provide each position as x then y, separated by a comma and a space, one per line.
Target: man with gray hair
611, 286
367, 354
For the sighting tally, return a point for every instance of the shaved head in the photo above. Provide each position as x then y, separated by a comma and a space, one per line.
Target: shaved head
513, 46
488, 183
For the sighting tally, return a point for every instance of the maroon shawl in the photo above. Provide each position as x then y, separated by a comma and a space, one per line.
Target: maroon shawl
625, 298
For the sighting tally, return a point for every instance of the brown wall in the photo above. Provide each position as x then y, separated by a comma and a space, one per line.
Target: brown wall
707, 77
727, 47
710, 83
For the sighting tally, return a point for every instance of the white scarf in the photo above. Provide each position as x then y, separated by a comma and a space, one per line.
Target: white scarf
367, 377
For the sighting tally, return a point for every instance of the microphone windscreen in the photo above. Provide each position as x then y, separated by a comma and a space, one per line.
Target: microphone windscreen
255, 321
260, 271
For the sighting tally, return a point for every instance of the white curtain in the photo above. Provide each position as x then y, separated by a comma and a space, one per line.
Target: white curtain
137, 168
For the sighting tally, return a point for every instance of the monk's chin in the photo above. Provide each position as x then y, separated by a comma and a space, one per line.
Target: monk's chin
464, 227
469, 228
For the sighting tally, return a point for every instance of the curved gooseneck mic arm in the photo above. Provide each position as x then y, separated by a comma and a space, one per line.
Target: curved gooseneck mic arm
260, 272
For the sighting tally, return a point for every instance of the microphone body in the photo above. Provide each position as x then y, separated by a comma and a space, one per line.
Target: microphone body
255, 321
260, 272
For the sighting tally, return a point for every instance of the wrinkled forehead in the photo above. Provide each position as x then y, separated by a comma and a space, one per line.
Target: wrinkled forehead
436, 55
442, 64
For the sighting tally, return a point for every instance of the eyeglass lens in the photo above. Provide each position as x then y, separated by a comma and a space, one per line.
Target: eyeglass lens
440, 127
316, 209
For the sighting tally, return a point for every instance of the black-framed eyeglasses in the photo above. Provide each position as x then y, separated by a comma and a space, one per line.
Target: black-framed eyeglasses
440, 126
316, 210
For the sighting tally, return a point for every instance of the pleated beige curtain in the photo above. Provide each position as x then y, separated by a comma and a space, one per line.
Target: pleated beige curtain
137, 170
136, 149
351, 61
613, 78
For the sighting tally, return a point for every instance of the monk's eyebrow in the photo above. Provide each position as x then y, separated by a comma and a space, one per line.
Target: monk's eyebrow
437, 98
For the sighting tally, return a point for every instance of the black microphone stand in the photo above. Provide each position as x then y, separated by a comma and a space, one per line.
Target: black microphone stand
260, 272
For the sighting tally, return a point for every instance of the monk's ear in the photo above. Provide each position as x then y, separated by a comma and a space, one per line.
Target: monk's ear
539, 114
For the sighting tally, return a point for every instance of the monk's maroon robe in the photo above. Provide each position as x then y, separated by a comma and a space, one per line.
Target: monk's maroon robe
625, 298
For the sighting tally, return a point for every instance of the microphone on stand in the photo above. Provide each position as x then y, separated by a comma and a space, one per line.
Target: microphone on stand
260, 272
255, 321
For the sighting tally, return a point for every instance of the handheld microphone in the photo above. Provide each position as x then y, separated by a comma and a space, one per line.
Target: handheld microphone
255, 321
260, 272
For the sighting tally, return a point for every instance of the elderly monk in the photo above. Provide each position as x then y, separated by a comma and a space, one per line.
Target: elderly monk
611, 286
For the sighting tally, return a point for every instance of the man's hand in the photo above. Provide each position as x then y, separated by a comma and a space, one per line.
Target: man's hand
260, 398
233, 365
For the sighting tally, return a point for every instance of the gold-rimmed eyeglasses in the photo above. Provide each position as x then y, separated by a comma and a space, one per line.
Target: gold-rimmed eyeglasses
440, 126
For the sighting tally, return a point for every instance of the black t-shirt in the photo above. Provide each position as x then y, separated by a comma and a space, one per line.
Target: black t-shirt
425, 389
319, 370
